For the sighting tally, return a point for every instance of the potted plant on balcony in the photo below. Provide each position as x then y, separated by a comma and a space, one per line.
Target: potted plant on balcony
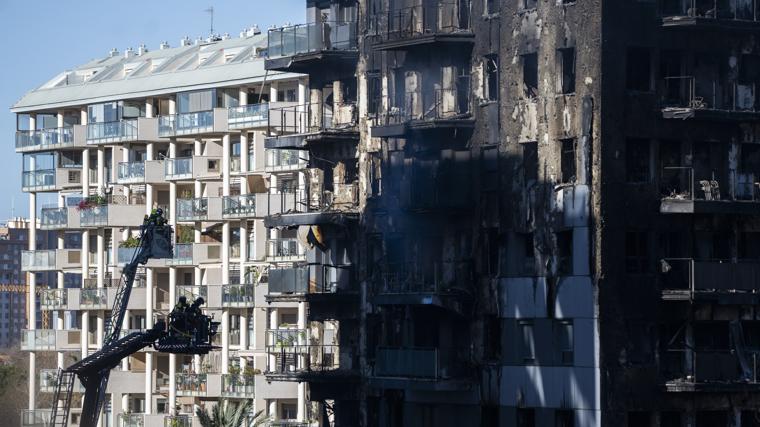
234, 377
91, 202
130, 242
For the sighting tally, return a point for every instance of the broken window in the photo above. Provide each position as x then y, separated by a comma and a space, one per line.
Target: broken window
636, 251
491, 77
528, 4
564, 418
527, 345
637, 161
563, 338
566, 70
490, 7
530, 75
526, 417
530, 163
638, 69
567, 160
638, 419
565, 252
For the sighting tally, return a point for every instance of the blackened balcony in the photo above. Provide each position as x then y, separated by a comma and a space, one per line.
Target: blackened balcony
312, 205
296, 126
288, 283
446, 285
724, 281
444, 24
438, 185
685, 370
428, 368
713, 99
298, 48
685, 190
294, 361
710, 14
424, 111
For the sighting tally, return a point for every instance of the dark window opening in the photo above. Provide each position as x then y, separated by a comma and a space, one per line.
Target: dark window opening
636, 252
566, 70
563, 338
638, 69
491, 81
528, 4
530, 75
638, 419
637, 161
530, 164
670, 419
489, 415
526, 417
492, 337
527, 345
567, 160
491, 7
750, 419
711, 418
565, 252
749, 245
492, 251
564, 418
711, 336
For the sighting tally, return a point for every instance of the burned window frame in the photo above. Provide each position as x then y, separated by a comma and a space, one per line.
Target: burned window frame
568, 160
564, 330
644, 176
491, 77
636, 84
565, 78
530, 89
526, 350
637, 262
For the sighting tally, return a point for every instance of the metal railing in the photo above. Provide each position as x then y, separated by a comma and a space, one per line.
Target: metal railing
191, 384
688, 92
242, 206
688, 274
285, 337
38, 260
54, 299
412, 277
419, 362
441, 104
131, 172
37, 339
278, 160
288, 200
309, 358
183, 254
447, 17
238, 386
681, 183
131, 420
38, 179
192, 209
51, 218
93, 299
178, 421
122, 130
192, 292
288, 281
285, 248
186, 123
36, 417
710, 9
44, 138
238, 295
709, 366
312, 37
312, 117
179, 167
247, 116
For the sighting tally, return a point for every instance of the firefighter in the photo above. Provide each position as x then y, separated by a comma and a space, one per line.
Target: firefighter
179, 315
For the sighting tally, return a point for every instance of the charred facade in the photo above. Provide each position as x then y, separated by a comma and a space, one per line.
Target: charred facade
526, 212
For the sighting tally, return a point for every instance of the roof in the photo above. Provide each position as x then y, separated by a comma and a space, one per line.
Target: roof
217, 63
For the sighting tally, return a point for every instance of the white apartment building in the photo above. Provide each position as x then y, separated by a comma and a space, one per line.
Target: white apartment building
181, 128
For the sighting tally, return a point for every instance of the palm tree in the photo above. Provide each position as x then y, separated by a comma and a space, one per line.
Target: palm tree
225, 414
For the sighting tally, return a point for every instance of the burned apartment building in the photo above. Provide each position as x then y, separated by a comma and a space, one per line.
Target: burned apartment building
523, 212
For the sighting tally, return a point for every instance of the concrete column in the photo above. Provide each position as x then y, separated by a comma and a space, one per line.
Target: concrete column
149, 108
31, 312
243, 328
273, 409
172, 357
124, 403
225, 341
125, 326
243, 248
149, 155
301, 412
85, 332
100, 278
85, 172
244, 166
60, 279
148, 356
274, 322
273, 92
243, 96
101, 169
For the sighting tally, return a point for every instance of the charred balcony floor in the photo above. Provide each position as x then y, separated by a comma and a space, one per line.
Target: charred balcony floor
306, 63
709, 114
692, 22
458, 40
302, 140
294, 219
673, 205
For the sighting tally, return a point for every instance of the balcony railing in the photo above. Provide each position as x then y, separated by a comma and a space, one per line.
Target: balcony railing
183, 254
191, 384
54, 218
680, 183
42, 179
310, 278
282, 249
186, 123
285, 160
94, 299
719, 276
192, 292
447, 17
720, 367
44, 139
243, 206
94, 216
410, 277
238, 295
311, 118
418, 362
290, 359
442, 104
238, 386
248, 116
131, 420
673, 10
288, 280
178, 168
276, 338
123, 130
192, 209
693, 94
131, 172
310, 38
36, 417
38, 260
54, 299
38, 339
178, 421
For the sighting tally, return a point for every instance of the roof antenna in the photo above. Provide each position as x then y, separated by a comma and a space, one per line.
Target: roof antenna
210, 11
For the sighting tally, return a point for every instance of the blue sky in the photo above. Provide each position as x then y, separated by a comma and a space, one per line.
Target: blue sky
41, 38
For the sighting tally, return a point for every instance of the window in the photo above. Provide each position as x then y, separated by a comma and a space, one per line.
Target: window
565, 252
567, 160
491, 77
638, 419
638, 69
636, 251
526, 417
527, 345
288, 411
530, 163
490, 7
566, 70
492, 338
564, 418
637, 161
528, 4
563, 339
530, 75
